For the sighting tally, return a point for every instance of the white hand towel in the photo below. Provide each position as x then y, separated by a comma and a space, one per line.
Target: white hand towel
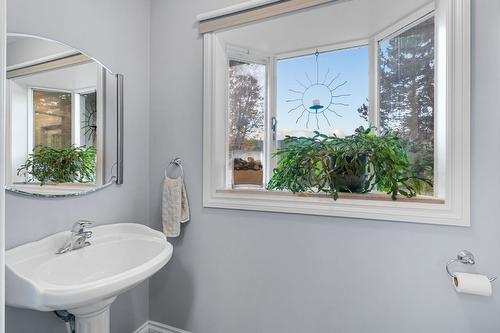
175, 206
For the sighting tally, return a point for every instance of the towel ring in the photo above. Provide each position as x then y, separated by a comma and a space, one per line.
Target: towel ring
175, 162
467, 258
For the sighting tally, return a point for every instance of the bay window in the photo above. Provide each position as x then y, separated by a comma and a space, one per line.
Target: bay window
401, 80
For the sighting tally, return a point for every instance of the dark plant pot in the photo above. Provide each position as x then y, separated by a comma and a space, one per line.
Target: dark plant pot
350, 183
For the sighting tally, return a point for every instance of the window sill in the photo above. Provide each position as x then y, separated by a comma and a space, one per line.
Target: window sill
50, 189
342, 196
375, 206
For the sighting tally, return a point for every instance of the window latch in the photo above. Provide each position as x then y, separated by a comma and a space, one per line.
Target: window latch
274, 122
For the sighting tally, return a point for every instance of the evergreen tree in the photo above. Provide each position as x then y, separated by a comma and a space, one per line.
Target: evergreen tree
363, 111
406, 92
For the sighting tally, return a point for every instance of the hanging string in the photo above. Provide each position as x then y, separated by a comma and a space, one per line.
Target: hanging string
317, 66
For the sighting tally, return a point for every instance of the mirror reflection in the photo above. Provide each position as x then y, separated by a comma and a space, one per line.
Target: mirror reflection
62, 119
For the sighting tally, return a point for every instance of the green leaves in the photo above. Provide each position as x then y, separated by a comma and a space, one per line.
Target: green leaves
60, 165
329, 164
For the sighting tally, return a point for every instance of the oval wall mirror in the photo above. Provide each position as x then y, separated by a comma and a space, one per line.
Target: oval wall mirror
64, 120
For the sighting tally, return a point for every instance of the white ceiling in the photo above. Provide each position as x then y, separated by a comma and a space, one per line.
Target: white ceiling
328, 24
67, 78
22, 49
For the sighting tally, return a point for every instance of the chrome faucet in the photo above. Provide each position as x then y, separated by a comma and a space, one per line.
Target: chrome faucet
78, 237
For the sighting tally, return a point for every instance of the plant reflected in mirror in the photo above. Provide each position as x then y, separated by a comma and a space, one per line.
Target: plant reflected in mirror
49, 165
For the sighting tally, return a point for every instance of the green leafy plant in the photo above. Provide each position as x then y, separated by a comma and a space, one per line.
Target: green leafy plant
60, 165
328, 164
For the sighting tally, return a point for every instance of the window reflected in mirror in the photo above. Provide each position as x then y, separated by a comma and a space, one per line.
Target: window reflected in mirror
52, 121
62, 118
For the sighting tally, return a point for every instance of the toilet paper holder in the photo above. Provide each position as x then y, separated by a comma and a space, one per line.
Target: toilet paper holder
467, 258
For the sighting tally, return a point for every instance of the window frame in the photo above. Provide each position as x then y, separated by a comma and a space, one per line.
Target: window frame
99, 144
452, 47
246, 55
394, 30
365, 42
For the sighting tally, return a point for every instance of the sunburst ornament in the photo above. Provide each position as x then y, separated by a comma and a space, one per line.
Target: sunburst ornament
318, 97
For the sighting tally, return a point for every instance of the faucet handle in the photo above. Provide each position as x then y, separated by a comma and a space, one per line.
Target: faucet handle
87, 234
79, 226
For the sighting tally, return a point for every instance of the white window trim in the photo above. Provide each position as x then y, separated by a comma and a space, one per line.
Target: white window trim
31, 122
453, 34
75, 118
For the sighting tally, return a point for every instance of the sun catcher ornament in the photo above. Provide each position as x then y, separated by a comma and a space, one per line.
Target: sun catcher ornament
318, 97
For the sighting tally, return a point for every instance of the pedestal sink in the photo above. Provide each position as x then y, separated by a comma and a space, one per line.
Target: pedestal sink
85, 281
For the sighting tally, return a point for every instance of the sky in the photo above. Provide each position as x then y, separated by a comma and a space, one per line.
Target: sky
297, 80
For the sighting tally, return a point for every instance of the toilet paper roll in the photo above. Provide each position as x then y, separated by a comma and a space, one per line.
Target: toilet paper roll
475, 284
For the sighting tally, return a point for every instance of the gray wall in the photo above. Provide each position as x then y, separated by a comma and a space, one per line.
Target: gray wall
117, 33
241, 271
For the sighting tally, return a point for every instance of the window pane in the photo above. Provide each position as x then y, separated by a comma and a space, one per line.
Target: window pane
325, 92
88, 119
247, 91
406, 93
52, 118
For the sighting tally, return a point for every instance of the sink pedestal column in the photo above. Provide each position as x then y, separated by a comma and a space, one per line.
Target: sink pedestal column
93, 318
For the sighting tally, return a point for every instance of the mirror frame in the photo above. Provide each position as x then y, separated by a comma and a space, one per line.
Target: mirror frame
115, 179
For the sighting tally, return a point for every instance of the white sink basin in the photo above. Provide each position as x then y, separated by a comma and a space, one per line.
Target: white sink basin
85, 281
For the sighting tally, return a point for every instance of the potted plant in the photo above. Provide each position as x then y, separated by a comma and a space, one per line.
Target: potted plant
356, 163
60, 165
